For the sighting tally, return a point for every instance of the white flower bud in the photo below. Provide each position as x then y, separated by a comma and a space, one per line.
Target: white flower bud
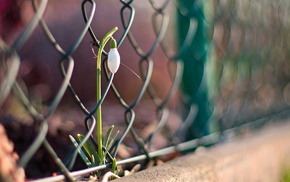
113, 60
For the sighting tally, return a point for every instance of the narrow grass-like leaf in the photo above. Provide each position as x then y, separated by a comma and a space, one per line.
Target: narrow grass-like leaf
90, 150
81, 152
107, 136
111, 142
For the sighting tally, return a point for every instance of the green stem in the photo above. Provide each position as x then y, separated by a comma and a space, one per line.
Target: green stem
99, 95
114, 168
99, 117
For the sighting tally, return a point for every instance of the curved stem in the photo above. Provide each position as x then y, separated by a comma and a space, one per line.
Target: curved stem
104, 41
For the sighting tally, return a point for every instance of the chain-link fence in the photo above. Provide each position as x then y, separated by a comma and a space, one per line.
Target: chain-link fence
192, 72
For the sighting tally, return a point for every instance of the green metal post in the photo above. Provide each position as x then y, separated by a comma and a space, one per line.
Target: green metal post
194, 57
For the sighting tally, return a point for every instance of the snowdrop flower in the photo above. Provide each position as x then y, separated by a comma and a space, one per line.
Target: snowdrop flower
113, 57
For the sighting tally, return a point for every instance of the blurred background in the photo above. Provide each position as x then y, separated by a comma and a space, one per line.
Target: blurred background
202, 66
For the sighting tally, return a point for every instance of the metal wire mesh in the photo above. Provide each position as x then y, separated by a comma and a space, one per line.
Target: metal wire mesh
241, 71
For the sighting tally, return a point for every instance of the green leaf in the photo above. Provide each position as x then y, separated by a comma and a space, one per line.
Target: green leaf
107, 136
90, 150
111, 142
81, 152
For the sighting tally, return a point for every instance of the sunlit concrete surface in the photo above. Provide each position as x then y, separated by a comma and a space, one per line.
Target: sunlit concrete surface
257, 156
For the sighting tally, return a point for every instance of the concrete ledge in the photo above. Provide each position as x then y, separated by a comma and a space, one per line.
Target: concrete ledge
259, 156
